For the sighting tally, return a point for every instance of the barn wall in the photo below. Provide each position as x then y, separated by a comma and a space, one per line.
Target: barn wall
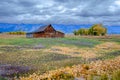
37, 35
48, 35
59, 34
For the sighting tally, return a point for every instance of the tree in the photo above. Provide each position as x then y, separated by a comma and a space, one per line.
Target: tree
76, 32
96, 30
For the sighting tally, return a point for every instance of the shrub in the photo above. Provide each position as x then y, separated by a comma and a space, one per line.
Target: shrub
17, 33
76, 32
81, 32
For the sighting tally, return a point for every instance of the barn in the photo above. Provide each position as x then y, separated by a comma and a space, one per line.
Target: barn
45, 32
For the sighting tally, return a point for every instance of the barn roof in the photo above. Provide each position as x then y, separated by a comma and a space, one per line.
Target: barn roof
59, 32
40, 29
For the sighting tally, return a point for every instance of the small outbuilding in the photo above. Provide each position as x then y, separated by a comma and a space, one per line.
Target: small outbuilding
45, 32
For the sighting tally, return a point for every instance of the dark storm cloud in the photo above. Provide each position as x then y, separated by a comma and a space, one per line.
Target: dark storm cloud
60, 11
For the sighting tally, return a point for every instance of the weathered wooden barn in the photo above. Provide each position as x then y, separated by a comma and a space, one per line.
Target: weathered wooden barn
45, 32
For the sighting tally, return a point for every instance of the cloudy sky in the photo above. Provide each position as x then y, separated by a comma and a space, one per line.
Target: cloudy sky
60, 11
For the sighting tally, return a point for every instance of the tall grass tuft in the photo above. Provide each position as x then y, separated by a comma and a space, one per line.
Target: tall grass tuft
116, 75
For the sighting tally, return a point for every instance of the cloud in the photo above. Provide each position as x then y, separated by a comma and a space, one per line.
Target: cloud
60, 11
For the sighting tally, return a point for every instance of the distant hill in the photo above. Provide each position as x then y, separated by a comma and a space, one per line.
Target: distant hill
7, 27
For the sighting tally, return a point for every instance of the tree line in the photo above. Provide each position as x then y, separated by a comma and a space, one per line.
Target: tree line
96, 30
17, 33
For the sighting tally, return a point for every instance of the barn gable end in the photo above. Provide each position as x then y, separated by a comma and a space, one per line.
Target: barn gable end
49, 28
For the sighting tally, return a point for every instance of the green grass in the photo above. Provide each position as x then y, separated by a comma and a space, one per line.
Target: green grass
48, 42
108, 55
1, 78
42, 60
113, 39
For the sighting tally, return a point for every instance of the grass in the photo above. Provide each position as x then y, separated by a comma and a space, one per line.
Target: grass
104, 56
116, 75
39, 60
1, 78
79, 42
99, 70
110, 39
42, 61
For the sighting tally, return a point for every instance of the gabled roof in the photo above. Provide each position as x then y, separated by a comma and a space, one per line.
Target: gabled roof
60, 32
40, 29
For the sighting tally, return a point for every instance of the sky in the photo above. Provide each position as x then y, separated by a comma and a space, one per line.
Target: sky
60, 11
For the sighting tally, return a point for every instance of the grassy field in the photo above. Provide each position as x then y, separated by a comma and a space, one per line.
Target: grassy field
51, 54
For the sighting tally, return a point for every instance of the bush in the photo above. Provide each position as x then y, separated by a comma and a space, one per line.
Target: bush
76, 33
81, 32
17, 33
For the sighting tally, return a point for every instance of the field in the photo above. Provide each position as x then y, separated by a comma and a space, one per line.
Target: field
69, 58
